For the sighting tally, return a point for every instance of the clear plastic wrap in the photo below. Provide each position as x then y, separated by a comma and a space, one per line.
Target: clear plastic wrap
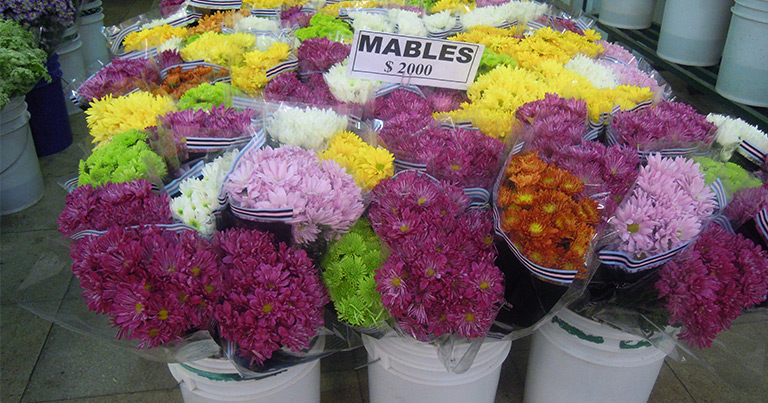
116, 78
146, 46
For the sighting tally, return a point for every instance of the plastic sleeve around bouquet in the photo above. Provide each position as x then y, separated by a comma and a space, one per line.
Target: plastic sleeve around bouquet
117, 78
438, 281
511, 14
303, 125
117, 34
119, 307
178, 78
740, 142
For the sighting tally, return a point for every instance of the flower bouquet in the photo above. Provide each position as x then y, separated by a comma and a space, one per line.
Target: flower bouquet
23, 62
179, 79
740, 142
118, 78
46, 19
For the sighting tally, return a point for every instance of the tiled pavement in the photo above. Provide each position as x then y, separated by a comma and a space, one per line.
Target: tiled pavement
41, 362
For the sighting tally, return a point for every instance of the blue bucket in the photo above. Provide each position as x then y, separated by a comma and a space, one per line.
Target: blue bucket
49, 119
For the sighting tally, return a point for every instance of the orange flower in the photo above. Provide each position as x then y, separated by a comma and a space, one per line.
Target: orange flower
587, 211
524, 197
214, 22
571, 184
551, 177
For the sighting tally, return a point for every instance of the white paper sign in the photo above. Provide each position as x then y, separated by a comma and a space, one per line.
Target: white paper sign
414, 60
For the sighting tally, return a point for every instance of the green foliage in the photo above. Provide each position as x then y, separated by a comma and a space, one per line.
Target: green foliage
348, 269
125, 158
21, 61
325, 26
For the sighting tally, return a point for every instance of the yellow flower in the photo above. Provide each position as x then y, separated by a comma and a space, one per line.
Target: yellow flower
367, 164
222, 49
109, 116
152, 37
333, 9
272, 3
460, 6
252, 77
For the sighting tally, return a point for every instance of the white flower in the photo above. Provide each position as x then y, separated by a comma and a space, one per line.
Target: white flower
733, 131
171, 44
371, 22
520, 11
308, 128
439, 22
600, 76
347, 89
199, 196
253, 23
407, 22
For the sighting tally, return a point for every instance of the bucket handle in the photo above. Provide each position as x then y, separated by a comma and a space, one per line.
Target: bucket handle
18, 157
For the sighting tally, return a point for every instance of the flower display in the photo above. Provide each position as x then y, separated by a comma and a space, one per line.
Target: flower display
440, 277
168, 58
308, 128
223, 49
401, 101
152, 37
272, 3
348, 89
408, 22
348, 273
120, 77
746, 203
207, 96
295, 17
325, 26
112, 115
22, 61
215, 21
216, 122
599, 75
444, 100
125, 158
666, 208
260, 24
324, 198
155, 284
733, 177
733, 131
372, 22
668, 124
274, 296
544, 213
317, 55
123, 204
496, 15
49, 17
553, 122
168, 7
440, 22
252, 77
287, 87
490, 59
200, 196
178, 81
366, 163
707, 286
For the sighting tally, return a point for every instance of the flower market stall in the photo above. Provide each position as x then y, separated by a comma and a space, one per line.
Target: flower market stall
257, 200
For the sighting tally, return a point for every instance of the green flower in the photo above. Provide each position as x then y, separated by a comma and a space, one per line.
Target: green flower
125, 158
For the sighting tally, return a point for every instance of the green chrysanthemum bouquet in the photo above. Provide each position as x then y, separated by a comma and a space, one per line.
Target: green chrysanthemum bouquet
126, 157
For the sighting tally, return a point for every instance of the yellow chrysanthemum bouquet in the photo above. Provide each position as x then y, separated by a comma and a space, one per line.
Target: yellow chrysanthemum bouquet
366, 163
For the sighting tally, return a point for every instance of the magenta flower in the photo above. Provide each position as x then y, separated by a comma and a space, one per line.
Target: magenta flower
287, 87
217, 122
122, 204
401, 101
323, 196
274, 297
440, 277
317, 55
156, 285
666, 125
293, 17
553, 122
168, 7
745, 204
706, 287
168, 58
120, 77
444, 100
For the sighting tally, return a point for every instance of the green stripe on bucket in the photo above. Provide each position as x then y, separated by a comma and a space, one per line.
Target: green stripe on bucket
631, 345
570, 329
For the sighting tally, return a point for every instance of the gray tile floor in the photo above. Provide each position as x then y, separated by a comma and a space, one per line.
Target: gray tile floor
41, 362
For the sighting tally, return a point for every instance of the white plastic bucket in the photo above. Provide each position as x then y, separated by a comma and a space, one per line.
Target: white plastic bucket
743, 75
405, 370
94, 42
629, 14
693, 32
574, 359
215, 380
72, 67
21, 183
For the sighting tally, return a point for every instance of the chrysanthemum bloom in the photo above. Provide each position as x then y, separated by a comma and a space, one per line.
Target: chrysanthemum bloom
152, 37
287, 87
746, 203
667, 124
125, 158
177, 82
401, 101
206, 96
120, 77
223, 49
251, 77
324, 198
440, 277
317, 55
156, 285
274, 295
216, 122
123, 204
706, 287
367, 164
109, 115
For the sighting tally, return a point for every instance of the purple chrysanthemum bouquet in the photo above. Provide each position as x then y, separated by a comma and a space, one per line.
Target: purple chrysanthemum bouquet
168, 7
123, 204
287, 87
707, 286
668, 125
295, 17
219, 122
274, 297
318, 55
120, 77
667, 208
748, 213
440, 277
156, 285
321, 196
553, 122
